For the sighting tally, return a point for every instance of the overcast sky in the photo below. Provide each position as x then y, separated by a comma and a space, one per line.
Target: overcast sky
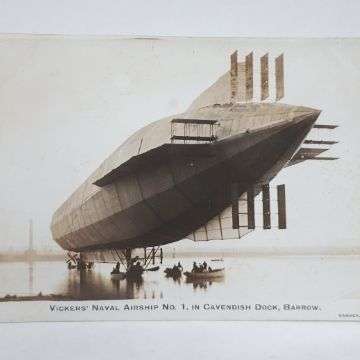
67, 103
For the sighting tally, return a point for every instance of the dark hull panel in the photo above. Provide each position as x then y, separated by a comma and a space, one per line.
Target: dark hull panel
166, 200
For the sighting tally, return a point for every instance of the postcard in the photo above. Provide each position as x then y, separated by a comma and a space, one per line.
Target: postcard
174, 178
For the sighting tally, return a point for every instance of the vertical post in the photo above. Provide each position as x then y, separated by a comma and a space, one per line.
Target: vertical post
81, 261
235, 205
250, 208
31, 278
153, 256
281, 201
161, 255
266, 206
30, 257
128, 258
31, 237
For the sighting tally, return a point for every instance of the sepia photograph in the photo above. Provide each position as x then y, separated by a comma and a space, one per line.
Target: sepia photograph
167, 178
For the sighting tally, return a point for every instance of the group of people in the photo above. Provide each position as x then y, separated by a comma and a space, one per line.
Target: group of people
177, 267
201, 267
134, 269
174, 271
80, 265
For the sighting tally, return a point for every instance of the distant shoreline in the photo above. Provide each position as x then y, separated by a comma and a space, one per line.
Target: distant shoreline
39, 297
207, 255
35, 258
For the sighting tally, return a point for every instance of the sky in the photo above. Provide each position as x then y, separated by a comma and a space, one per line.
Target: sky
67, 102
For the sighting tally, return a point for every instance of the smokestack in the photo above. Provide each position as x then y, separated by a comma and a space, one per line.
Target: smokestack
31, 237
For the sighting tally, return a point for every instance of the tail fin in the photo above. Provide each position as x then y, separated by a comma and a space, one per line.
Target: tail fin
279, 77
237, 84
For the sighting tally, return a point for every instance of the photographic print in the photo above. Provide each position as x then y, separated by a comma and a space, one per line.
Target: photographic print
179, 178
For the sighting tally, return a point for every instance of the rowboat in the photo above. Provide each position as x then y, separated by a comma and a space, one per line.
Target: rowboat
155, 268
173, 272
134, 273
215, 273
118, 275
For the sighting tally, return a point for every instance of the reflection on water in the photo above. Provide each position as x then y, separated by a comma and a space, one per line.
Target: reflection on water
91, 284
246, 278
98, 284
204, 284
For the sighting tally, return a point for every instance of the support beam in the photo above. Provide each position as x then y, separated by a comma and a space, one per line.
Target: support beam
127, 254
266, 206
325, 126
320, 142
324, 158
250, 208
119, 258
281, 201
235, 205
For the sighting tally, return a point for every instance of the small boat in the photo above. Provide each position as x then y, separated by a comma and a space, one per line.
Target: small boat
118, 275
155, 268
214, 273
134, 273
173, 272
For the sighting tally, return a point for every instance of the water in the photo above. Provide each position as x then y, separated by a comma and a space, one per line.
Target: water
305, 278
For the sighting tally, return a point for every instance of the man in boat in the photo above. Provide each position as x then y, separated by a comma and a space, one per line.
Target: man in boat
205, 265
136, 269
179, 266
175, 270
116, 269
195, 267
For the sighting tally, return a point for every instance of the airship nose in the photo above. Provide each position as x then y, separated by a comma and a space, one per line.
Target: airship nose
299, 122
304, 115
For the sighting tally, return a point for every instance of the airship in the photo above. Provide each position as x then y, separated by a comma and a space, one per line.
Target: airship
194, 175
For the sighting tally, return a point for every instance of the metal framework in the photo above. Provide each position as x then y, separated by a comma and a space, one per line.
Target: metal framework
193, 130
125, 257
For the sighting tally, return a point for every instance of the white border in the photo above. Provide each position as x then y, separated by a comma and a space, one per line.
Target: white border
230, 340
